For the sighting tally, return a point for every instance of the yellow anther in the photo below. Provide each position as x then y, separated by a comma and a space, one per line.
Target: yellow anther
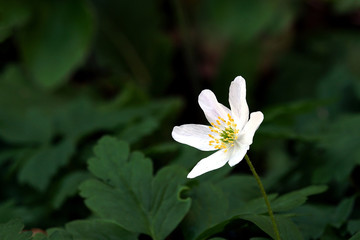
226, 133
220, 118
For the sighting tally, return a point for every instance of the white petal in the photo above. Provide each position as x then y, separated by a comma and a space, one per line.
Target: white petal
194, 135
212, 162
238, 154
247, 135
237, 100
211, 107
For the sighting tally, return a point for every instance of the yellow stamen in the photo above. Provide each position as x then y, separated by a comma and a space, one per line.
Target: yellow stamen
226, 133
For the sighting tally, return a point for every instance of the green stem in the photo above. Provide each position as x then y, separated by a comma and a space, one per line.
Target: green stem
271, 214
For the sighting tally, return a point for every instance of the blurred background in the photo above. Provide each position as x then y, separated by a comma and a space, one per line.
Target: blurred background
72, 71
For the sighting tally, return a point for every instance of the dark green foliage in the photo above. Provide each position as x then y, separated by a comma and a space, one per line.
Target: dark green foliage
51, 53
127, 193
98, 229
252, 211
82, 82
12, 231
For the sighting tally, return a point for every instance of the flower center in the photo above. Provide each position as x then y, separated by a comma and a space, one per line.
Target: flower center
226, 133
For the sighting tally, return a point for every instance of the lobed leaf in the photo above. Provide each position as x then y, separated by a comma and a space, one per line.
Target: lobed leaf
127, 193
12, 230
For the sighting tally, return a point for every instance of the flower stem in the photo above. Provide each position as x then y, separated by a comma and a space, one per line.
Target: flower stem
271, 214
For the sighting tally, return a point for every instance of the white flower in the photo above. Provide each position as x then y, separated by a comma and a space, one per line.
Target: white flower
231, 132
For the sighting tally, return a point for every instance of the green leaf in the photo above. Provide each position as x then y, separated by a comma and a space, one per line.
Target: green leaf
312, 219
12, 231
211, 231
43, 165
355, 237
32, 127
127, 193
250, 207
13, 79
294, 199
72, 119
58, 234
9, 210
56, 42
68, 187
342, 151
98, 230
209, 207
255, 206
238, 190
288, 230
354, 226
291, 110
188, 156
213, 202
6, 210
138, 130
280, 120
343, 211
